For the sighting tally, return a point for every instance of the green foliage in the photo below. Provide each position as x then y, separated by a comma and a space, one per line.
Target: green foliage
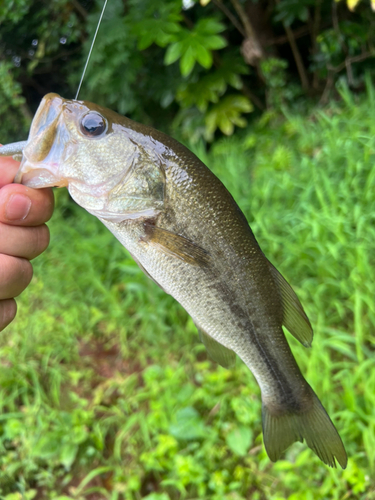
160, 30
279, 93
168, 62
196, 45
288, 11
105, 391
162, 25
239, 440
33, 36
226, 114
208, 89
14, 10
12, 105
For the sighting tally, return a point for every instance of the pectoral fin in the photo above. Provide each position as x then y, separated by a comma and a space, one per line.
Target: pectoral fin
294, 319
176, 246
219, 353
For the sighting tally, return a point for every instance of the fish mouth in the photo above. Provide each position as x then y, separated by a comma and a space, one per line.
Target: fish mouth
39, 177
48, 147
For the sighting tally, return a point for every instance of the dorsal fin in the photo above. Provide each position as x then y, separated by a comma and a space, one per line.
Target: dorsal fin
294, 317
219, 353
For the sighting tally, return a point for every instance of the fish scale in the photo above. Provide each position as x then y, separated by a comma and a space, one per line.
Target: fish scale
186, 232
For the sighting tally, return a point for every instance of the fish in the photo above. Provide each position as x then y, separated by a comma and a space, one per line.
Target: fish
186, 232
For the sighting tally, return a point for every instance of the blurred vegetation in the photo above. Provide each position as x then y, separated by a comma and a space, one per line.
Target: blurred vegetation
105, 391
197, 66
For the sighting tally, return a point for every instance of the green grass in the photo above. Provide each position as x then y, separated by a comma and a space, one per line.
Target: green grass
106, 392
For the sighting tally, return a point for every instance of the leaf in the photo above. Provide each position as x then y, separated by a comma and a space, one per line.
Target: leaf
210, 87
157, 496
187, 62
215, 42
47, 447
68, 454
239, 440
188, 425
145, 40
200, 94
226, 114
173, 53
195, 45
90, 476
290, 10
160, 31
204, 57
209, 26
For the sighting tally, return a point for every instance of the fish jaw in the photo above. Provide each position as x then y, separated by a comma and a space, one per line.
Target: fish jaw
109, 210
38, 178
48, 145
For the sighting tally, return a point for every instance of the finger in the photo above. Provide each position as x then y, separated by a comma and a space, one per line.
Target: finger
8, 170
26, 242
23, 206
15, 275
8, 309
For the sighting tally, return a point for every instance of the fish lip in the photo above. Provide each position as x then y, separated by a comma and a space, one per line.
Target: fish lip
40, 178
32, 176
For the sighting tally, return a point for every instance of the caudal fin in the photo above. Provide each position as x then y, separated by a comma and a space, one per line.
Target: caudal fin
313, 425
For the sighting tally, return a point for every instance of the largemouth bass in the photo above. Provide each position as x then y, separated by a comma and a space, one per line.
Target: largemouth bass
186, 232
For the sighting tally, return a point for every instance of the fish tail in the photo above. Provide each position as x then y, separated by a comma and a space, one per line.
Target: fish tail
282, 428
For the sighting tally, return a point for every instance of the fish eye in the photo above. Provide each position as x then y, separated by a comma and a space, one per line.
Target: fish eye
93, 124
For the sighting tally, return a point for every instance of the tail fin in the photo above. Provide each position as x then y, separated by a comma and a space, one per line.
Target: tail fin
314, 425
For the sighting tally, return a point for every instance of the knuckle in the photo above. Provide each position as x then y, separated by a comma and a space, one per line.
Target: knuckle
15, 275
27, 272
43, 205
6, 268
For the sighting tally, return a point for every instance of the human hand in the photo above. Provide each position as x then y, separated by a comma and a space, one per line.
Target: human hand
23, 235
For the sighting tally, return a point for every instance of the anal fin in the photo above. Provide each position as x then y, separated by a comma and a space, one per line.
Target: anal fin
294, 317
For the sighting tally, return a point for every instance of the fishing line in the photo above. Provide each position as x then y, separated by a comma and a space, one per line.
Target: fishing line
92, 45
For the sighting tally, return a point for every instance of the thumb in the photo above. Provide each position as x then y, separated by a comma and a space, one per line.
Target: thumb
8, 170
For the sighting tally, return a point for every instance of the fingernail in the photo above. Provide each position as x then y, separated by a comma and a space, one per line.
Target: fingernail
18, 207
